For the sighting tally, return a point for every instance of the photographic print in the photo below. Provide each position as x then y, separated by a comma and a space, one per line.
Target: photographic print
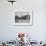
23, 18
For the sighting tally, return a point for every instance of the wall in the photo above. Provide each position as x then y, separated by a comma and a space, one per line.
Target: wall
9, 31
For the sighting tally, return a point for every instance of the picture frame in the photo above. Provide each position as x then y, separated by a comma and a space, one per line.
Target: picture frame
23, 18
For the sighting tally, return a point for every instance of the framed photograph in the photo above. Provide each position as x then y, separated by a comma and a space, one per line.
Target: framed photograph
23, 18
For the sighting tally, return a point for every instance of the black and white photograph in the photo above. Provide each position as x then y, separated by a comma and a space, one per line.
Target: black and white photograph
23, 18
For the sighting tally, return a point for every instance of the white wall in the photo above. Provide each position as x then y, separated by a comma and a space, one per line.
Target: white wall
8, 30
